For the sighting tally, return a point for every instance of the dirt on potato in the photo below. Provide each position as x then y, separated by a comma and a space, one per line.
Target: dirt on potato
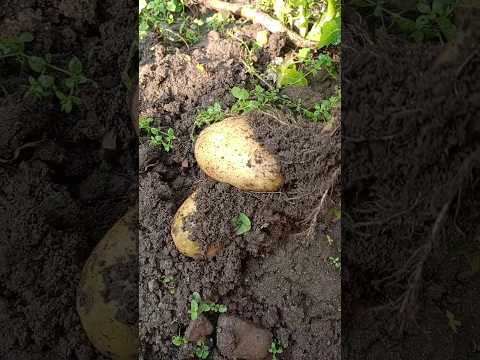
279, 275
61, 186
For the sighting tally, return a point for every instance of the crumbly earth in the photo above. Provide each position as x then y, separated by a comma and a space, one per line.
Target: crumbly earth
60, 195
279, 274
412, 164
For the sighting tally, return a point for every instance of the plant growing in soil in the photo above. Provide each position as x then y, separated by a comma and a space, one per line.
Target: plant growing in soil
335, 261
430, 20
157, 137
46, 83
242, 224
178, 340
275, 349
198, 307
201, 350
210, 115
323, 109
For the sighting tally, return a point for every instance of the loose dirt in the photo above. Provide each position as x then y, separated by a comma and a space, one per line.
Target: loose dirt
61, 193
411, 186
278, 275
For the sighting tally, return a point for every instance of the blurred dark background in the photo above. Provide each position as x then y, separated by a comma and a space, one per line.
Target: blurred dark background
68, 161
411, 166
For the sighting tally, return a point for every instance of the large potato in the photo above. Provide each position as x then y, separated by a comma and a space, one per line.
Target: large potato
181, 238
108, 287
228, 152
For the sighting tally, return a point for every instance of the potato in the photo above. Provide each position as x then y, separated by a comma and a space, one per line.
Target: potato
228, 152
181, 238
101, 296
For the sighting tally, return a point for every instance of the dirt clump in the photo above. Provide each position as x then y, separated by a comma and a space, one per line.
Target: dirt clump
241, 339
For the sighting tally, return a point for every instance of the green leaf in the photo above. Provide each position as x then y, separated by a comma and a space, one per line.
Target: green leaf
75, 66
37, 64
328, 34
407, 26
291, 77
46, 81
240, 93
242, 224
447, 28
25, 37
424, 8
304, 54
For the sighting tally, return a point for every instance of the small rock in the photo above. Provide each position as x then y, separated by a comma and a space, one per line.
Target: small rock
239, 339
199, 329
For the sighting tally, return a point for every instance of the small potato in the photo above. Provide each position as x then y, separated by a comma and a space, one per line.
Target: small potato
228, 152
107, 284
181, 238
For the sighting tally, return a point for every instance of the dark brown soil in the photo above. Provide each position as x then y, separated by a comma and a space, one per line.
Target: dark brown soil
60, 195
411, 150
277, 275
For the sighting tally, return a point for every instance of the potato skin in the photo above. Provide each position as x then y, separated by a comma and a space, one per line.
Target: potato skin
106, 331
228, 152
181, 238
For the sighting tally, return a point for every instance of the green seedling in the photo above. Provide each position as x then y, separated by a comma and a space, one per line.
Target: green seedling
158, 138
298, 69
159, 12
198, 307
212, 114
275, 349
219, 21
453, 323
179, 341
201, 350
335, 261
323, 110
47, 79
242, 224
435, 20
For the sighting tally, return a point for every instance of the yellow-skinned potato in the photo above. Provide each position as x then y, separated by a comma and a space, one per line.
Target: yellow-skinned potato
101, 303
181, 238
228, 152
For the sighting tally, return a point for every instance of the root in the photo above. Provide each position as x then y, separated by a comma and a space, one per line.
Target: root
312, 220
412, 271
18, 150
258, 17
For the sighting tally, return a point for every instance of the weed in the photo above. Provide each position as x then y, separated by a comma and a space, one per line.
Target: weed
198, 306
275, 349
45, 82
323, 110
179, 341
212, 114
296, 70
201, 350
157, 137
242, 224
158, 12
453, 323
432, 20
335, 261
218, 21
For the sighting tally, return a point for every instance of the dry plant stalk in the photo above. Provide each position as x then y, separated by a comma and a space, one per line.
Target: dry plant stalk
259, 17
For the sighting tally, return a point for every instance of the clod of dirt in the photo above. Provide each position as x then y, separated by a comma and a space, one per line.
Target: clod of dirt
199, 329
240, 339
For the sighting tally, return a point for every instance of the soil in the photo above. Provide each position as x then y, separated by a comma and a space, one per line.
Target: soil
62, 187
277, 275
411, 198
